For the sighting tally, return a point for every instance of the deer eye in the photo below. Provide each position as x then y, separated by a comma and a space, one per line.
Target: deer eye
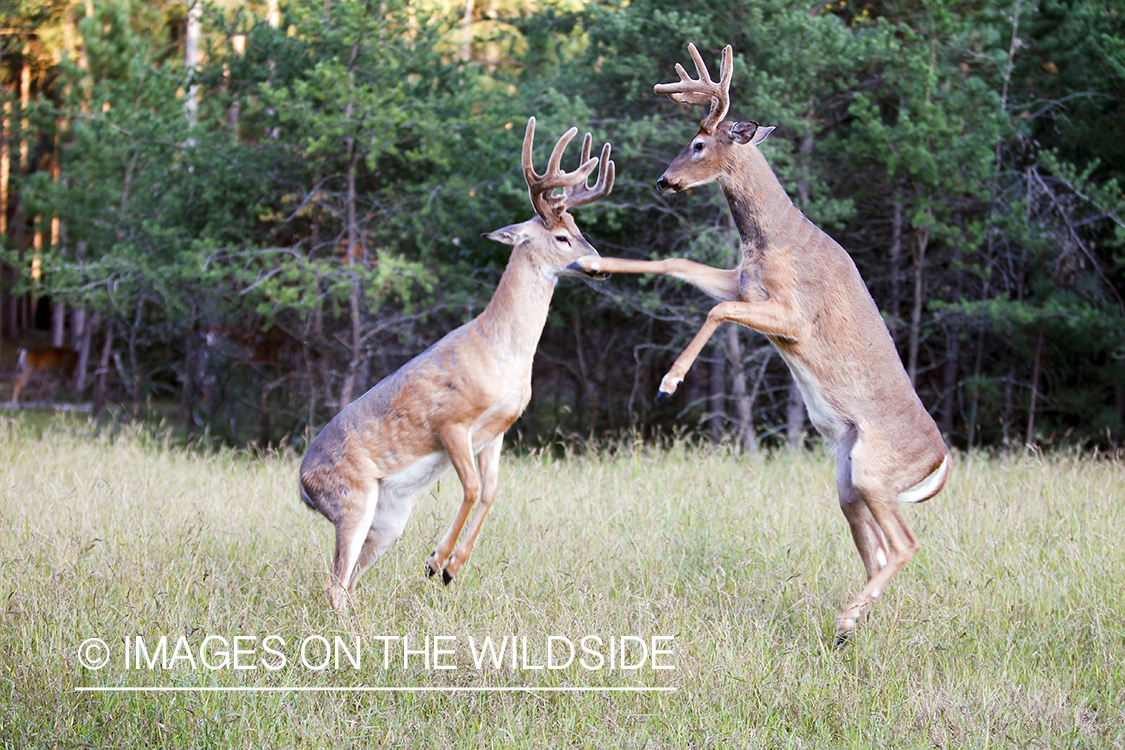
698, 146
562, 238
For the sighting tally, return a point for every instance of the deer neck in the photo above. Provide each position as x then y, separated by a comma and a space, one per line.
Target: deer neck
759, 205
514, 318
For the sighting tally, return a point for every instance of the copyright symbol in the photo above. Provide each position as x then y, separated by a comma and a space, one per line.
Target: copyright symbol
93, 653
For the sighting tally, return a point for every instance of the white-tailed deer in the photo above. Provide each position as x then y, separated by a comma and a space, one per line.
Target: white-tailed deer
455, 400
797, 286
57, 359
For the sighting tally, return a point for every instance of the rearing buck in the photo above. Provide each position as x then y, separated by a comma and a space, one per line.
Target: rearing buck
454, 401
801, 289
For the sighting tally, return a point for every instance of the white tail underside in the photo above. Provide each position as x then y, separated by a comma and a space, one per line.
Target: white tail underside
928, 487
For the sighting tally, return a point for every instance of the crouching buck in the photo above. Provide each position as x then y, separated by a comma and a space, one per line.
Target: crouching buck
454, 401
797, 286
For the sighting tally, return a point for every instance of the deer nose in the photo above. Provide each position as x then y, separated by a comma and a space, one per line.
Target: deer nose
662, 183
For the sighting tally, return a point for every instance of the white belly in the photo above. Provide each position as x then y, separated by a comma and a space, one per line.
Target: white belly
418, 476
824, 418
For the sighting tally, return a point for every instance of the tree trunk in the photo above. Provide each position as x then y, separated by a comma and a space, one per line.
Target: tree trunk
77, 325
1035, 370
5, 175
1006, 418
238, 45
58, 323
103, 369
895, 307
5, 165
974, 409
586, 403
355, 347
795, 417
921, 240
188, 384
193, 33
352, 258
718, 395
950, 372
743, 403
82, 368
134, 363
264, 418
466, 50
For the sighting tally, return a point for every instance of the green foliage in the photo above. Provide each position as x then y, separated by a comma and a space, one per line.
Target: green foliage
367, 145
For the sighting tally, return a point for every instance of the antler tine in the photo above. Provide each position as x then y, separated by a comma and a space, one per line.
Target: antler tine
703, 89
581, 194
555, 176
538, 191
551, 207
587, 142
525, 156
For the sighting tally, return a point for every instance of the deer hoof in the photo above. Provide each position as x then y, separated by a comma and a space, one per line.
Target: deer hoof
588, 268
662, 396
845, 630
446, 577
668, 385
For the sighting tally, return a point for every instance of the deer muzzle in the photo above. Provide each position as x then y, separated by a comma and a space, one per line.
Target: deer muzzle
667, 186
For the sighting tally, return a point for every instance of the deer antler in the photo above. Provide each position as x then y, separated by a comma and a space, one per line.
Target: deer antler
580, 193
703, 89
575, 190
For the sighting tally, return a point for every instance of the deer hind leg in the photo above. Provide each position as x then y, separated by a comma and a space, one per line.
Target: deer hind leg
866, 534
874, 486
771, 318
352, 526
391, 513
458, 445
489, 460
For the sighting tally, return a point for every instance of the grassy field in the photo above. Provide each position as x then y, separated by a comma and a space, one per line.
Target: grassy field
1005, 631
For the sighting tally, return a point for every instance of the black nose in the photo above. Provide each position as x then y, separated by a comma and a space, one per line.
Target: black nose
662, 183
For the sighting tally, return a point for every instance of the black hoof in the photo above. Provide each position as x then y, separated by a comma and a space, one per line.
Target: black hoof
662, 396
595, 275
843, 640
429, 571
446, 578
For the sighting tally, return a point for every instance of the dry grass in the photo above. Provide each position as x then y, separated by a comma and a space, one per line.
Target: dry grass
1005, 631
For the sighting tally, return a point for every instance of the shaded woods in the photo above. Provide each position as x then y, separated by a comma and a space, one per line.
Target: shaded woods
242, 215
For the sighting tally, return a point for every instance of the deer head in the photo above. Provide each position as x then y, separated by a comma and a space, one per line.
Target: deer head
553, 234
708, 156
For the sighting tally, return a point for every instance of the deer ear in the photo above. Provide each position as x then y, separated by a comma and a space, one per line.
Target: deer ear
761, 134
512, 234
742, 132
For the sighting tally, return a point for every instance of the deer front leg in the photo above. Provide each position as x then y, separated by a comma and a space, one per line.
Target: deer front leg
20, 383
489, 460
771, 318
717, 282
458, 444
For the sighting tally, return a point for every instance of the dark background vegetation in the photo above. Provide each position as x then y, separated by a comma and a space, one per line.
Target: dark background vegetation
243, 237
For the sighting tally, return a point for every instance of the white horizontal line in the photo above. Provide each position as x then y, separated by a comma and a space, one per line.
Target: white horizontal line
370, 689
